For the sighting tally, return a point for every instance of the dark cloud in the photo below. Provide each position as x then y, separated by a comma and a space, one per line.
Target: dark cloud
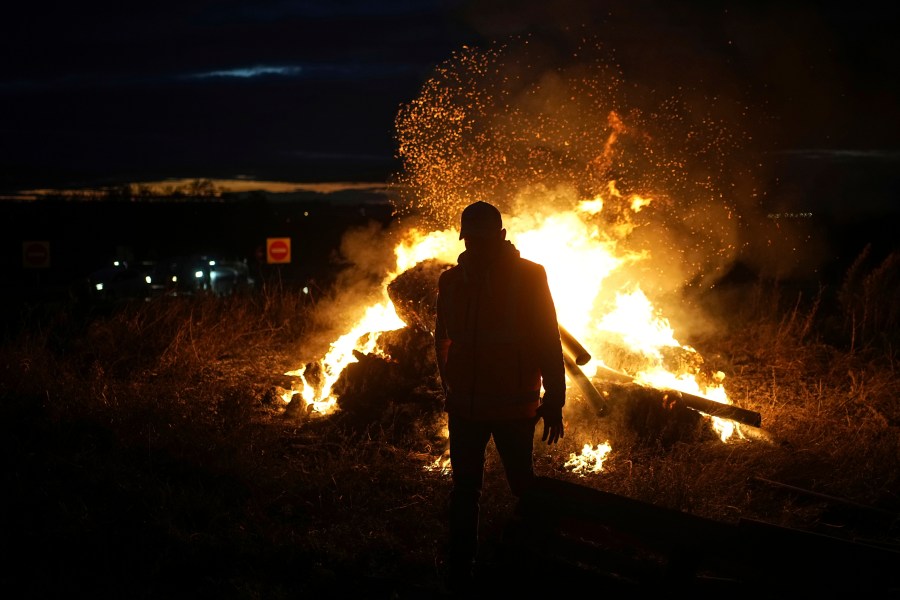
122, 40
197, 88
209, 88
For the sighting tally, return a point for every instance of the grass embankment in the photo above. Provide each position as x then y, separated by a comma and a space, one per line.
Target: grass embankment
147, 454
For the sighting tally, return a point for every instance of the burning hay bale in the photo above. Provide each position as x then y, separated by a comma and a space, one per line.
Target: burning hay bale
401, 377
414, 293
367, 387
413, 349
397, 388
675, 359
655, 417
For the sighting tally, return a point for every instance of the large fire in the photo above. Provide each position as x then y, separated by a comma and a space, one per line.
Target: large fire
574, 173
579, 257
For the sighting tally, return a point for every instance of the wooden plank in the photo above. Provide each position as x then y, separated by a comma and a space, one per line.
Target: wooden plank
585, 385
556, 502
573, 347
888, 517
586, 525
704, 405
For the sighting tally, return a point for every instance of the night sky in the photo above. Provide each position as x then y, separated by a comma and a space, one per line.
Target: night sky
98, 92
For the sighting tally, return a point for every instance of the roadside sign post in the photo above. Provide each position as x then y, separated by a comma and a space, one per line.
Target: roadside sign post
278, 250
36, 254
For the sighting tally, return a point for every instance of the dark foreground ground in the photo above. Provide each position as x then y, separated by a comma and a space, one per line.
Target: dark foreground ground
86, 516
145, 456
146, 464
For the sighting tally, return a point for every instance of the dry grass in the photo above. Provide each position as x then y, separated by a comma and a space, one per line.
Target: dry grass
147, 455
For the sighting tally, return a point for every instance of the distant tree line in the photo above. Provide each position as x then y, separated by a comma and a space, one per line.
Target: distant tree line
203, 189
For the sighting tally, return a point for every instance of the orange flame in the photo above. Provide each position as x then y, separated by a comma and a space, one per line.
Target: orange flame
489, 125
590, 460
363, 338
579, 258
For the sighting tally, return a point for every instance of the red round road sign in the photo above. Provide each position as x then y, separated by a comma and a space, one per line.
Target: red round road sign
36, 254
279, 250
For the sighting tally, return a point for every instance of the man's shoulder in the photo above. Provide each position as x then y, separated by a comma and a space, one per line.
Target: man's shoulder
531, 267
450, 273
530, 264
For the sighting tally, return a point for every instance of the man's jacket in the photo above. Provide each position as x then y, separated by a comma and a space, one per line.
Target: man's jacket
496, 337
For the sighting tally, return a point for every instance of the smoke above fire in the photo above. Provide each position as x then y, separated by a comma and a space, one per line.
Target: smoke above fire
537, 131
629, 198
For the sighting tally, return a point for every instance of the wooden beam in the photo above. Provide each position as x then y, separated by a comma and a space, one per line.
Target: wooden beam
716, 409
704, 405
585, 385
571, 345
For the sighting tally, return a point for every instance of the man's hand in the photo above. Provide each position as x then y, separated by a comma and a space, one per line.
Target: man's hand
553, 423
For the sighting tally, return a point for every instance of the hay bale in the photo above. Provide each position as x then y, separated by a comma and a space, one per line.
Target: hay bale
414, 293
654, 417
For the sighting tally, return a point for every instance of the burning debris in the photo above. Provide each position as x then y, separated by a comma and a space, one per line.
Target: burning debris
612, 200
399, 383
414, 293
393, 394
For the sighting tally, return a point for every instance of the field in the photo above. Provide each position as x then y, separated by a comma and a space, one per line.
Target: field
148, 454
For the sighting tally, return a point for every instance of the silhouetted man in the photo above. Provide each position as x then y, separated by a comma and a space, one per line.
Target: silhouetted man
497, 344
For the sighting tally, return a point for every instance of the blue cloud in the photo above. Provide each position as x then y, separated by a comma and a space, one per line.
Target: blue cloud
250, 72
313, 71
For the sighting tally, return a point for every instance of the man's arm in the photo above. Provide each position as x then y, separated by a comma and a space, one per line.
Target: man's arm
553, 370
441, 342
550, 353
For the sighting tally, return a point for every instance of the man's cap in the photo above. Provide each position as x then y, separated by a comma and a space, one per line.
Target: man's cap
480, 219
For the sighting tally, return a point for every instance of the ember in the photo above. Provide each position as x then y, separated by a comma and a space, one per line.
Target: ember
601, 195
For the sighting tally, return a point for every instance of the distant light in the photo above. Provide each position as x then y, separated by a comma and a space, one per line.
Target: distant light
115, 263
305, 213
148, 279
305, 290
174, 278
98, 287
199, 274
212, 263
